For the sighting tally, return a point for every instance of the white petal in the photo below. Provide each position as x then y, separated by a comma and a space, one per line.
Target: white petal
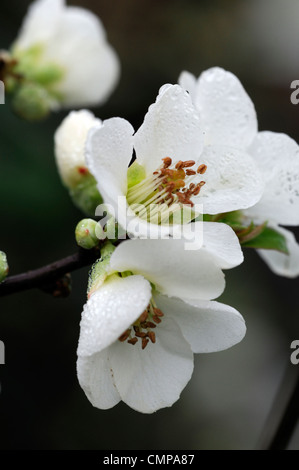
69, 141
233, 180
110, 311
277, 156
108, 153
91, 64
171, 128
153, 378
279, 263
207, 326
188, 81
174, 270
40, 23
227, 113
96, 378
220, 241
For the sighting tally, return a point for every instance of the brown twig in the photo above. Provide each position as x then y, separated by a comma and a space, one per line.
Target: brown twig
41, 277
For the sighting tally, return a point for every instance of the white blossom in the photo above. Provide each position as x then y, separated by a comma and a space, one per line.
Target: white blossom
173, 165
66, 48
141, 326
228, 115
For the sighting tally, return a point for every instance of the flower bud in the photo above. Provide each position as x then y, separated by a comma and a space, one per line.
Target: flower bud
70, 140
88, 233
31, 102
65, 49
86, 196
3, 266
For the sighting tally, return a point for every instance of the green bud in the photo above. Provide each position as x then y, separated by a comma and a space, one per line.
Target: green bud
3, 266
31, 102
86, 196
88, 233
100, 270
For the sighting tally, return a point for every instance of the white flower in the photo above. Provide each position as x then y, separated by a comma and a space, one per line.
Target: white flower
70, 138
66, 47
172, 165
228, 115
140, 328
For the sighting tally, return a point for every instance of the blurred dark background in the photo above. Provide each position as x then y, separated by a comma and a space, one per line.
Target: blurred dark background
226, 404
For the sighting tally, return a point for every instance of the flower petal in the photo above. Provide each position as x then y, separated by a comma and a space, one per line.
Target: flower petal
96, 378
81, 35
108, 153
171, 128
232, 180
172, 269
188, 81
40, 23
279, 263
153, 378
219, 240
228, 114
277, 156
207, 326
110, 311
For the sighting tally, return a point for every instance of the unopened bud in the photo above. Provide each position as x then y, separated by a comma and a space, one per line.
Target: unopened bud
3, 266
88, 233
31, 102
86, 195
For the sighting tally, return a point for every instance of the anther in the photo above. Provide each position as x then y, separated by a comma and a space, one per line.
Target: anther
202, 169
124, 336
140, 334
190, 172
158, 312
149, 324
156, 319
152, 336
188, 163
167, 162
144, 342
143, 316
179, 165
132, 341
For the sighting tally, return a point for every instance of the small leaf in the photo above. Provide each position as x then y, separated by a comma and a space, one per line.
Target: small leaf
268, 239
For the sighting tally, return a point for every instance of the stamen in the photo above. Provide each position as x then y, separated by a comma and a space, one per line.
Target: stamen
202, 169
132, 341
143, 326
165, 192
152, 336
124, 336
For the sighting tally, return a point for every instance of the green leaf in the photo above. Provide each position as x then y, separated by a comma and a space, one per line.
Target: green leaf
269, 239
